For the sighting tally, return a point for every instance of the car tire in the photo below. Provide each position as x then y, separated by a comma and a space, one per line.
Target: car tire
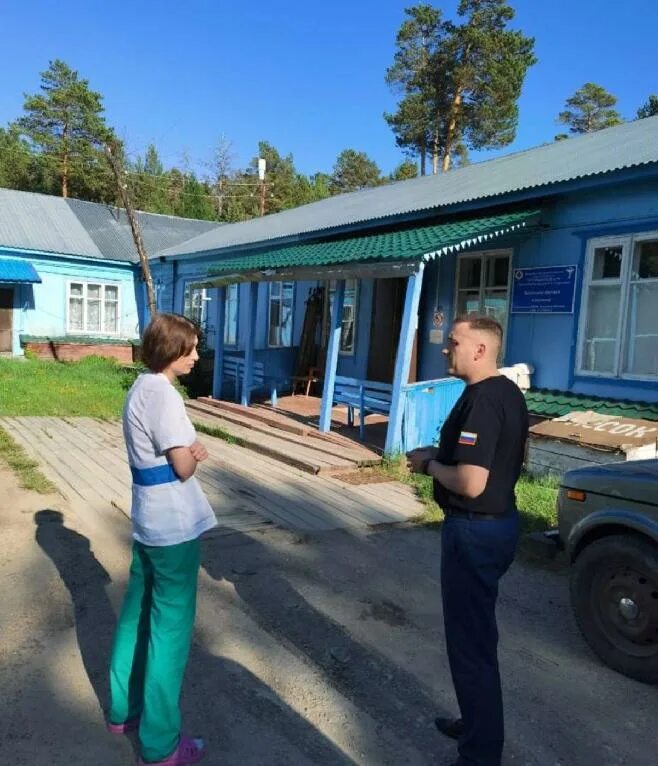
614, 594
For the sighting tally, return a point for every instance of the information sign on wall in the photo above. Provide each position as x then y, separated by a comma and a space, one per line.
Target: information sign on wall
544, 290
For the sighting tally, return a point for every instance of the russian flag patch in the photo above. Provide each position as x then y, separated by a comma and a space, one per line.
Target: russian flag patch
467, 438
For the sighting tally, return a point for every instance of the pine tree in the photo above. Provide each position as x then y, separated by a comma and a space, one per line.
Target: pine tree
65, 125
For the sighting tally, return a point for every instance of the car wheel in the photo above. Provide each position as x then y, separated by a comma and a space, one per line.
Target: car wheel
614, 593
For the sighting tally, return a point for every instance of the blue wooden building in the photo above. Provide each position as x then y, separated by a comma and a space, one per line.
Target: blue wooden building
69, 273
560, 243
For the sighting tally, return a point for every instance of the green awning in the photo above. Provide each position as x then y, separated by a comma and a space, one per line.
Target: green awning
409, 245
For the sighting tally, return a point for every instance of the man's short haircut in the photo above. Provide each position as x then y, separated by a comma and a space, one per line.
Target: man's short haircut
483, 323
166, 338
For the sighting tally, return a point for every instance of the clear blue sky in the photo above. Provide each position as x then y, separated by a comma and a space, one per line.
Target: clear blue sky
306, 76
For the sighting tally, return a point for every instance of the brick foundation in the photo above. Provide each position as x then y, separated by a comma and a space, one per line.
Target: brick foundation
72, 352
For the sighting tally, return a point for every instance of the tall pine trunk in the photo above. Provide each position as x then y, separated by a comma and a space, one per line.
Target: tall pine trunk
452, 130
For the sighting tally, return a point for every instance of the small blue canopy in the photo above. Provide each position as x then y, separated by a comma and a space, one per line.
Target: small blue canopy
17, 270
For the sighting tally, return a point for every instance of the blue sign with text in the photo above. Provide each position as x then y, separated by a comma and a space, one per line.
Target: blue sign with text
544, 290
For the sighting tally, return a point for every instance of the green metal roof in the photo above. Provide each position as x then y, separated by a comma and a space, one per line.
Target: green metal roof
405, 245
554, 404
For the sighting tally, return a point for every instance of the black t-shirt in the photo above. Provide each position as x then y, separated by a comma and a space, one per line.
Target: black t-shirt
488, 426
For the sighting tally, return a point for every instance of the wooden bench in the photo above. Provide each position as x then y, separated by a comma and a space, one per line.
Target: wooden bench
364, 395
233, 371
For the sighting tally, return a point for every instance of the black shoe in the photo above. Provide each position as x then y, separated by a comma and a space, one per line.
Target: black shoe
451, 727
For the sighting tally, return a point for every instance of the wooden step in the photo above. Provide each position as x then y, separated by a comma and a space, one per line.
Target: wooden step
291, 452
278, 420
360, 456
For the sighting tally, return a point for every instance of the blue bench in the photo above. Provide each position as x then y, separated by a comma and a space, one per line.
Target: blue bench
364, 395
233, 371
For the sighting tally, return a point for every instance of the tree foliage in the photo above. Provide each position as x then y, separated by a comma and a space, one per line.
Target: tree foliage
590, 108
460, 81
354, 171
64, 124
648, 109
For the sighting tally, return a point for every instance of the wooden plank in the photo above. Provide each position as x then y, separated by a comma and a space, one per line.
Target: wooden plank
358, 456
36, 451
97, 456
277, 491
304, 458
94, 440
324, 495
269, 502
64, 462
88, 467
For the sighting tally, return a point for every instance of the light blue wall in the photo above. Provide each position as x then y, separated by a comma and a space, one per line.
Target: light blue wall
41, 309
548, 341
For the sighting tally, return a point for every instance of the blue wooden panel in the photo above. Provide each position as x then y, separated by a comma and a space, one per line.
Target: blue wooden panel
426, 407
332, 357
403, 359
220, 318
249, 343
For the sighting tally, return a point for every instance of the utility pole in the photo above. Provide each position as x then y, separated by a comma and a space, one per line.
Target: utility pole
134, 226
262, 166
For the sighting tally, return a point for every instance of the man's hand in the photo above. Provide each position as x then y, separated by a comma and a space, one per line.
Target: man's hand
199, 452
418, 459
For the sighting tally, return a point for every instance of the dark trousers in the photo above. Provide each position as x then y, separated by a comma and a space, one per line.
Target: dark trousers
475, 555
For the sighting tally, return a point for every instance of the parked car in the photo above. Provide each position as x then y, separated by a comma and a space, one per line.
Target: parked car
608, 524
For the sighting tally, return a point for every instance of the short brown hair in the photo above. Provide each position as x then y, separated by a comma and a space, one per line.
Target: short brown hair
484, 323
166, 338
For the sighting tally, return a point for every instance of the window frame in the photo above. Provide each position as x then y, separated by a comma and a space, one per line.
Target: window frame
628, 243
188, 287
326, 319
281, 282
483, 255
103, 284
229, 287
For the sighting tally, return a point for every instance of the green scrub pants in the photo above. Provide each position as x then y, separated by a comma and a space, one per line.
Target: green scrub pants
152, 644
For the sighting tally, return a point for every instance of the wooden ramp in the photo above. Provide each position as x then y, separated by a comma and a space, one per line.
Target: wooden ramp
283, 438
248, 491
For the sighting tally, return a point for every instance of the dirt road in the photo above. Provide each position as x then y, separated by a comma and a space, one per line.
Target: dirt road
315, 649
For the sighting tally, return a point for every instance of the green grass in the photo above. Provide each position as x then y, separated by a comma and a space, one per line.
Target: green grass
26, 469
94, 387
535, 497
219, 433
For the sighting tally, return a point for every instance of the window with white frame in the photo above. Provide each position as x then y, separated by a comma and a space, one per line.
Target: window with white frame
483, 285
618, 333
194, 304
231, 315
93, 307
281, 299
348, 318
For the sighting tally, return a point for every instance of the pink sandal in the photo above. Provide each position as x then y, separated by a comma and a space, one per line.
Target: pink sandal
189, 750
123, 728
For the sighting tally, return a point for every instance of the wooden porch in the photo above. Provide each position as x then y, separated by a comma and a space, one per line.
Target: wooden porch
249, 491
290, 433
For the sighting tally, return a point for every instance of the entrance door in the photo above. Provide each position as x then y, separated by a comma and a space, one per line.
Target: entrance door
6, 317
387, 308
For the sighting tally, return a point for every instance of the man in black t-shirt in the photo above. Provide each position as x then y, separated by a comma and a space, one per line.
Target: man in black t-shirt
475, 468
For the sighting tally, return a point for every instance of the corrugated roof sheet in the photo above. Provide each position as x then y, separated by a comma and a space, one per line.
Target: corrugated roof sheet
554, 404
41, 222
51, 224
16, 270
625, 146
109, 228
405, 245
